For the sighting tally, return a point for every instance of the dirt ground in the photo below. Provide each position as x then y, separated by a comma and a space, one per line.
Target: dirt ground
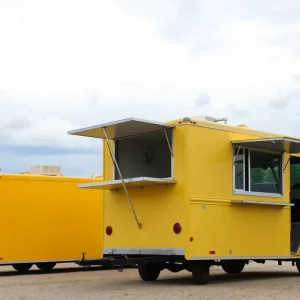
68, 282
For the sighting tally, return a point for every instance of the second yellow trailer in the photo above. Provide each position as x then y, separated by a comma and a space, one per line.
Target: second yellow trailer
193, 192
46, 220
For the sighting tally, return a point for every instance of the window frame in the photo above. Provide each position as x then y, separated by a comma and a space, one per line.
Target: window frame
244, 169
247, 175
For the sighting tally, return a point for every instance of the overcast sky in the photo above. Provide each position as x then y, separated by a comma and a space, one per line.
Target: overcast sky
68, 64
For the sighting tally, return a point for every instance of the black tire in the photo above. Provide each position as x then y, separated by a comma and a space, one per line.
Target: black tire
22, 268
233, 266
200, 272
298, 265
46, 266
149, 272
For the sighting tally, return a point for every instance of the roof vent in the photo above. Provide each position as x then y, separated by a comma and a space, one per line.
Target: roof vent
186, 119
46, 170
210, 119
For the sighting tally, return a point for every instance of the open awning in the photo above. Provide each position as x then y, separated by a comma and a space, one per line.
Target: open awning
279, 144
130, 183
121, 129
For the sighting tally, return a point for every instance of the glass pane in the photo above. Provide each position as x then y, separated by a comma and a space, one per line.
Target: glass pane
295, 171
265, 172
239, 170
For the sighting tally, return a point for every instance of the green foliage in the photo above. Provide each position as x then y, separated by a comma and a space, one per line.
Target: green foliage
258, 175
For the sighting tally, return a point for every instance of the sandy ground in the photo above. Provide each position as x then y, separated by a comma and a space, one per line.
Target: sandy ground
68, 282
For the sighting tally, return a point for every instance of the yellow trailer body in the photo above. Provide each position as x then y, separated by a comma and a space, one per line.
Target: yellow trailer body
47, 220
198, 191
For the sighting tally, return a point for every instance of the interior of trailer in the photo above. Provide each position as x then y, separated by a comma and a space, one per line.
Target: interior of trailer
295, 199
146, 155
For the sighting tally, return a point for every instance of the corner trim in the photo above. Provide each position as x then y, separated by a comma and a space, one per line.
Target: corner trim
238, 257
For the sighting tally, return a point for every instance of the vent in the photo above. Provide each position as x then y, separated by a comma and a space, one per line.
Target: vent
210, 119
46, 170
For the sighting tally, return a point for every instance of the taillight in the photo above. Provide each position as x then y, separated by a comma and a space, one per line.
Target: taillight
177, 228
109, 230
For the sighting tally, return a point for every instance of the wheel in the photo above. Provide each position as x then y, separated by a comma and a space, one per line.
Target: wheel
234, 266
298, 265
149, 272
200, 272
46, 266
22, 268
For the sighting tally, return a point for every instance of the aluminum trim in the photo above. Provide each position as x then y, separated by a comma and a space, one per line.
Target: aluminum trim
255, 202
254, 193
144, 251
259, 194
71, 260
280, 144
237, 257
127, 181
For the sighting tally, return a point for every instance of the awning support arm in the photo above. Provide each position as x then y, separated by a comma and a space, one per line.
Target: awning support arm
168, 142
287, 162
236, 154
117, 166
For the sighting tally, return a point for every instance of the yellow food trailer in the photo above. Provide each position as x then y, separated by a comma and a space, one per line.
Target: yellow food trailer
194, 192
46, 219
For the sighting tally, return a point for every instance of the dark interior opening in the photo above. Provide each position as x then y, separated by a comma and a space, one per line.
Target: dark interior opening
295, 199
145, 155
295, 189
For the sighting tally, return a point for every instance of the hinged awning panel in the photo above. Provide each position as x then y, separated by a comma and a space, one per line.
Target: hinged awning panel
279, 144
132, 182
122, 128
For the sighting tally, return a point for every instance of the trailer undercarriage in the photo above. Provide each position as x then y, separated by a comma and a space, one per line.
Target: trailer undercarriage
150, 266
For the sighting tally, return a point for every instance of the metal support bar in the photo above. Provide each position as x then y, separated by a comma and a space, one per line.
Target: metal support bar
117, 166
130, 262
236, 154
168, 141
287, 162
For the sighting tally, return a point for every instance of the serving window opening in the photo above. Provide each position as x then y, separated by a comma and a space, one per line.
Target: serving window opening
295, 188
257, 171
295, 199
146, 155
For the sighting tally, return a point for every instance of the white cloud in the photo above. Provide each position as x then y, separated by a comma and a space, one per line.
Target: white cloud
68, 64
43, 132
